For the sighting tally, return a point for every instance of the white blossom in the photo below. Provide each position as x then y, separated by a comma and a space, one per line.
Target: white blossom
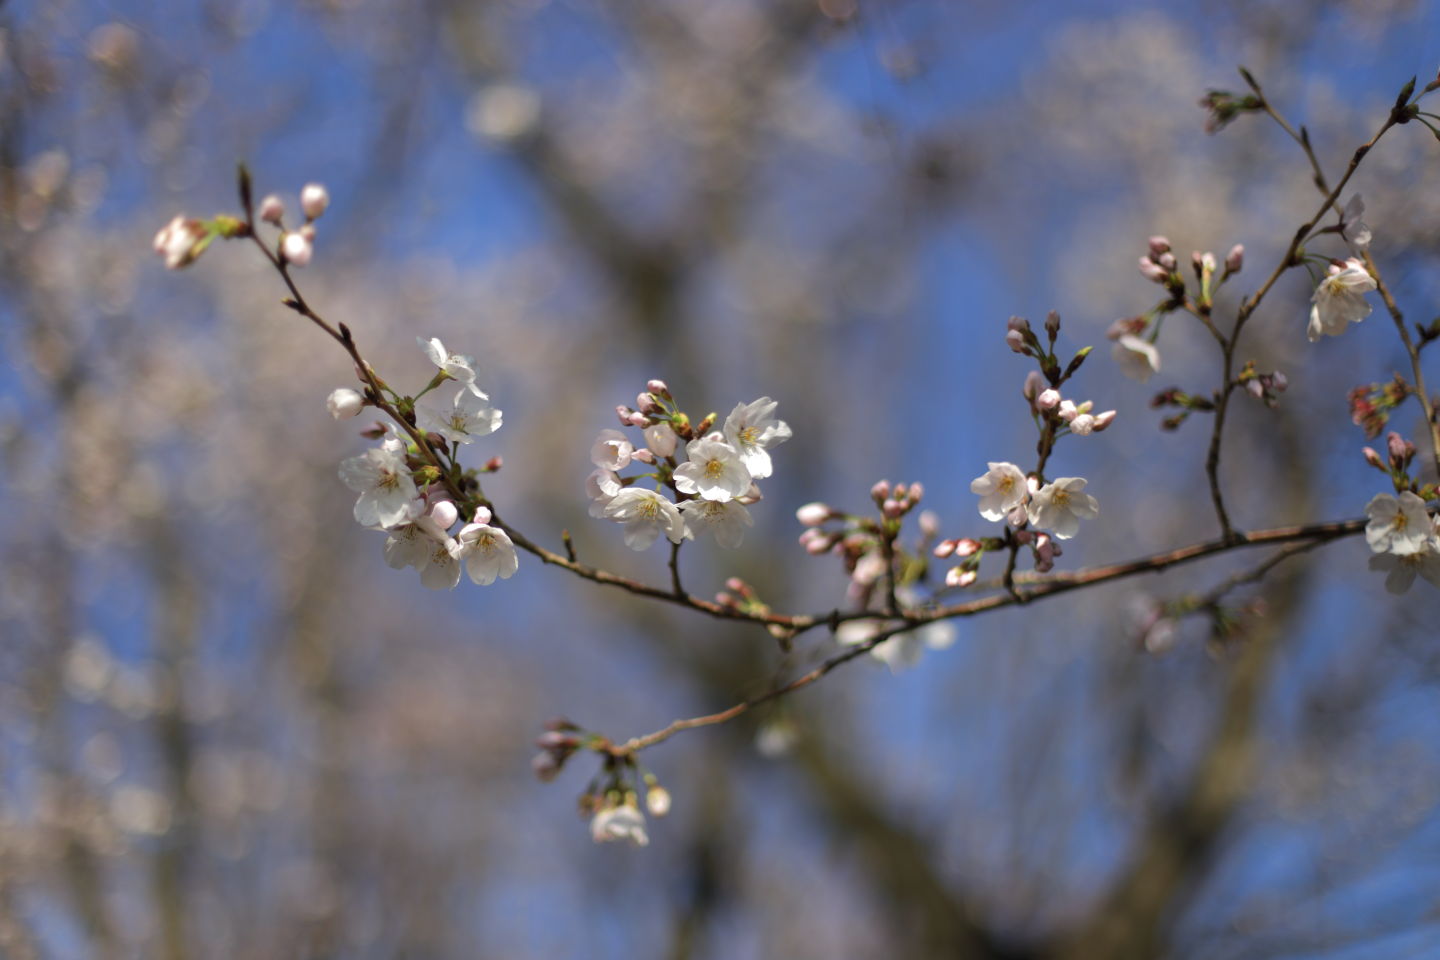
1398, 526
726, 520
661, 439
619, 821
467, 418
601, 486
272, 209
344, 403
1061, 505
1353, 228
1340, 299
385, 486
1137, 358
459, 366
646, 515
299, 246
612, 450
752, 430
442, 570
1401, 569
1001, 490
487, 551
713, 470
181, 241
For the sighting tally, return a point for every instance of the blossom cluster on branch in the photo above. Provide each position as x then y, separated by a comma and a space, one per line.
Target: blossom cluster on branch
666, 474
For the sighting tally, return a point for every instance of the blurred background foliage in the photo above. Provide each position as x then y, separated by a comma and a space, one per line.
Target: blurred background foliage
228, 730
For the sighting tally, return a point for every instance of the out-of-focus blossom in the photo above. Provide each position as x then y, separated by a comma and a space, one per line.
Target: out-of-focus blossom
344, 403
1339, 300
1137, 358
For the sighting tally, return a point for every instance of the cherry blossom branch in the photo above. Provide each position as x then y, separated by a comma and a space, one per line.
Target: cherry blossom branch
1304, 537
1398, 114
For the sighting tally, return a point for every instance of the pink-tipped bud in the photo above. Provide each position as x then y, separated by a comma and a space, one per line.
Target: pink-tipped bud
1052, 324
1068, 411
966, 547
623, 413
272, 209
1159, 245
814, 514
657, 387
960, 577
1018, 324
645, 403
1034, 383
445, 514
299, 246
1048, 399
1207, 262
944, 549
815, 542
1396, 446
314, 200
638, 419
1103, 420
482, 515
1197, 260
880, 491
1235, 259
1373, 458
917, 492
892, 508
643, 455
1167, 261
1015, 340
900, 491
1152, 271
737, 585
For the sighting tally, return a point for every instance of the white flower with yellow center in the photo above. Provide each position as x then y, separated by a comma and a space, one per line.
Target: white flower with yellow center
1340, 299
1060, 506
727, 520
714, 471
467, 418
1001, 490
645, 515
487, 551
459, 366
1398, 526
752, 430
385, 486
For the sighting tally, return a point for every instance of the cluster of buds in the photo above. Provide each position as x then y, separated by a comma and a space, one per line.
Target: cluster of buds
615, 813
1224, 106
1185, 402
741, 597
181, 241
869, 547
557, 744
894, 502
297, 246
712, 486
1370, 405
969, 552
1265, 387
1076, 418
1160, 266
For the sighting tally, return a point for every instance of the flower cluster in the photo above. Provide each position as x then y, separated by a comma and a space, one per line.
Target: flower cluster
181, 241
713, 484
1403, 536
1058, 506
401, 492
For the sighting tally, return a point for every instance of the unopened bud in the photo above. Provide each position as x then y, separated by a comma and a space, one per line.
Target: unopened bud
1015, 340
1396, 446
545, 765
1034, 383
966, 547
892, 508
1373, 458
645, 403
814, 514
314, 199
1152, 271
643, 455
444, 513
944, 549
1052, 324
298, 247
493, 464
1048, 399
344, 403
637, 419
1159, 245
880, 491
623, 412
272, 209
1103, 420
657, 800
1235, 259
1167, 260
658, 387
960, 577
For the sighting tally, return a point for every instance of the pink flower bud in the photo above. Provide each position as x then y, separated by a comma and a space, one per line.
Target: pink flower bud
643, 455
1197, 260
816, 544
445, 514
638, 419
482, 515
1019, 324
1052, 324
892, 508
1159, 245
272, 209
623, 412
1235, 259
960, 577
1373, 458
1103, 420
1068, 411
344, 403
966, 547
900, 492
493, 464
1207, 262
313, 200
1048, 399
1033, 385
1153, 271
1167, 261
880, 491
645, 403
917, 492
180, 242
814, 514
944, 549
737, 585
1015, 340
658, 387
298, 247
1395, 445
